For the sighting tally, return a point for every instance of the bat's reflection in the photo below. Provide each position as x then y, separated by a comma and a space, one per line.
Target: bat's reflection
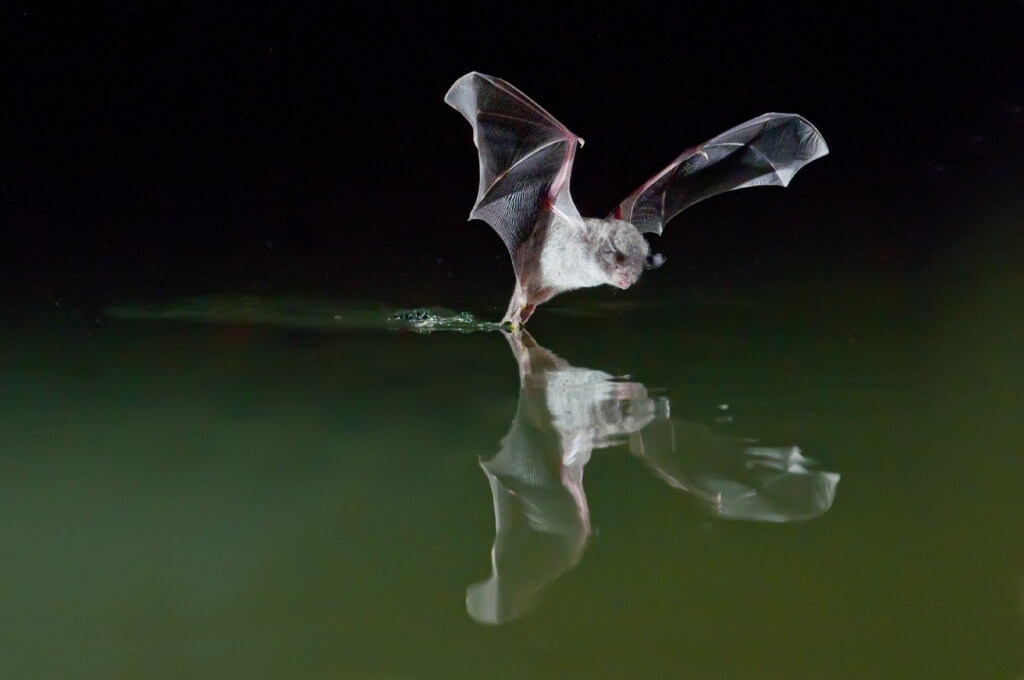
565, 412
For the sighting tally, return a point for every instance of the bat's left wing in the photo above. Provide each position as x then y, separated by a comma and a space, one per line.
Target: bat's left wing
526, 157
765, 151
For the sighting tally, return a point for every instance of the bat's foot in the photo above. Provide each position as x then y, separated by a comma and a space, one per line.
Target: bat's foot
519, 319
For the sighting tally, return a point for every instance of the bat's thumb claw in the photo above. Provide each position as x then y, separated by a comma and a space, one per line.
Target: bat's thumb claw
654, 260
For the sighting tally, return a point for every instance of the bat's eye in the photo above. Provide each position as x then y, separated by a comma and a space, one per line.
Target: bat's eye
619, 257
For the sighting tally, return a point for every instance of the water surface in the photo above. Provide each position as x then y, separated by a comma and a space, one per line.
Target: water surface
805, 483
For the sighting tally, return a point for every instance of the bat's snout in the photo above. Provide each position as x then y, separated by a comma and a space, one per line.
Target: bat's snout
625, 280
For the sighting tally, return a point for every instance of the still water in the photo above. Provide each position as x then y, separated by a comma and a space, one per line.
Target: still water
823, 484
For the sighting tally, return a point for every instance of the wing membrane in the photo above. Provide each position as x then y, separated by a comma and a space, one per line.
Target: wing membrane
765, 151
525, 155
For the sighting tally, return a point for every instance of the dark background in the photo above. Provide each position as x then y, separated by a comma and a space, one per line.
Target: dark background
157, 150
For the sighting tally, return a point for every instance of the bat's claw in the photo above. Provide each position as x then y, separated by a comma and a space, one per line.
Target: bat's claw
518, 320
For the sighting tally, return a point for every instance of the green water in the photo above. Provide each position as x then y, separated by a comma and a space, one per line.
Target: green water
821, 482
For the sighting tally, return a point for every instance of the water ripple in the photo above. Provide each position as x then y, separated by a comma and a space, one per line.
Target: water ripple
306, 314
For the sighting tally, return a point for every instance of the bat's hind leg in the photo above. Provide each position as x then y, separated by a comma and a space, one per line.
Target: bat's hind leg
518, 309
526, 312
524, 301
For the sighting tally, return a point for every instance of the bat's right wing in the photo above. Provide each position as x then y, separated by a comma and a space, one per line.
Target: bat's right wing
765, 151
525, 156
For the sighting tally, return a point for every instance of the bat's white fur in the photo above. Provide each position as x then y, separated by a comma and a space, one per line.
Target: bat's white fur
571, 257
566, 255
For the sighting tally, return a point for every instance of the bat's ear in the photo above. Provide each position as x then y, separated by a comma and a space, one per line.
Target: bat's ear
654, 260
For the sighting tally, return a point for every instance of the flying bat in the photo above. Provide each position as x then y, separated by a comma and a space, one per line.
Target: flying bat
526, 159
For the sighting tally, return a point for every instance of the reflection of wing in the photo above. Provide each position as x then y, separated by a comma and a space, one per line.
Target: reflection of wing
541, 515
734, 480
765, 151
525, 156
541, 519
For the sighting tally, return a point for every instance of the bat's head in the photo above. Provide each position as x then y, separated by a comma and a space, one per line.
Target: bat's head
623, 254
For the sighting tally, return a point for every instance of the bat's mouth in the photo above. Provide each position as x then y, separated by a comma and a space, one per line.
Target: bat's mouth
624, 283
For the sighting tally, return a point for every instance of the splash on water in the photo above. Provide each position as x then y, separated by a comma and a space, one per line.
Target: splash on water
424, 320
306, 314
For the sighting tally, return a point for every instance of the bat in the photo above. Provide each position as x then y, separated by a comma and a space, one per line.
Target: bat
526, 159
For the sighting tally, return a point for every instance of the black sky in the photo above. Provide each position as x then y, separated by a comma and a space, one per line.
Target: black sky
170, 149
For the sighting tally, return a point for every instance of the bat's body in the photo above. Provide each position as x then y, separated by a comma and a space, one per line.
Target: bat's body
560, 256
526, 161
